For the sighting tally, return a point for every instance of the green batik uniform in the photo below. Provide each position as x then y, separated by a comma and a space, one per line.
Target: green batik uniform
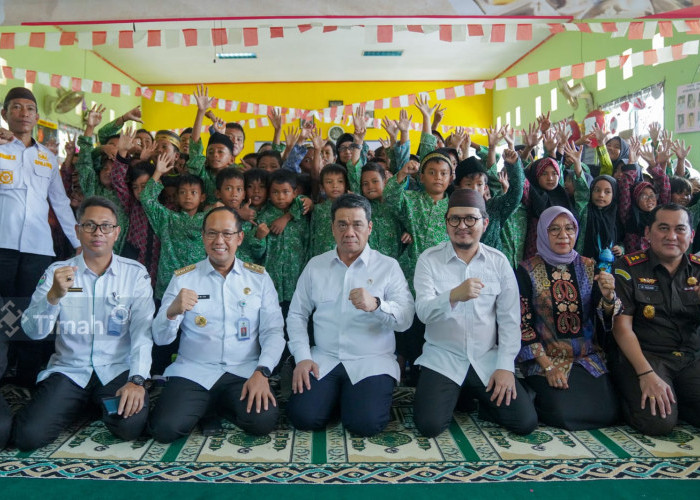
422, 217
91, 186
252, 249
321, 237
501, 207
355, 171
196, 165
386, 230
286, 253
180, 235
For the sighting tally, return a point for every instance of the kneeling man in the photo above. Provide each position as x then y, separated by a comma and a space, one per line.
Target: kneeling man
103, 305
232, 337
358, 298
468, 298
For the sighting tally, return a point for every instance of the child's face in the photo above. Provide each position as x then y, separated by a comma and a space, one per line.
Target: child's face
170, 196
682, 198
106, 174
256, 192
617, 174
613, 146
218, 157
569, 186
185, 142
189, 197
307, 162
268, 163
602, 194
231, 193
344, 153
327, 155
333, 185
548, 179
477, 182
281, 195
647, 200
138, 184
372, 185
436, 177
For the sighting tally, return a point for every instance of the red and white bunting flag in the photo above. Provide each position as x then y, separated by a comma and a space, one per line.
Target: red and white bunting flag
30, 77
450, 93
116, 90
68, 38
244, 107
276, 32
440, 94
75, 84
650, 57
56, 81
524, 32
169, 97
499, 84
469, 90
99, 38
609, 27
250, 37
303, 28
636, 31
475, 30
415, 28
666, 29
7, 41
153, 39
446, 32
498, 33
693, 26
137, 93
328, 29
556, 28
554, 74
512, 82
600, 65
190, 36
37, 40
7, 72
583, 27
532, 79
97, 87
126, 39
649, 30
219, 36
385, 34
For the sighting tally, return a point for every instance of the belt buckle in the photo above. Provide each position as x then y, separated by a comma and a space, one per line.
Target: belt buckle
678, 354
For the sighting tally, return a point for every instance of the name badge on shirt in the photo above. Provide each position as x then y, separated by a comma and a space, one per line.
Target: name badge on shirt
202, 297
243, 326
75, 289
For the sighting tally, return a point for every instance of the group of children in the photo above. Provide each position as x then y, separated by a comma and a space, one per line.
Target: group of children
165, 184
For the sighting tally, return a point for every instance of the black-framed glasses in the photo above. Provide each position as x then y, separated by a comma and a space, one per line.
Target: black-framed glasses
469, 220
569, 229
214, 235
91, 227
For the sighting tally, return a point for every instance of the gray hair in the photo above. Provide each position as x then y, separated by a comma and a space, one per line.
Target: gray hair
351, 200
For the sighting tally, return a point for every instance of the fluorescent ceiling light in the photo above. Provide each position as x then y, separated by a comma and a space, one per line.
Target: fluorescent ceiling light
382, 53
237, 55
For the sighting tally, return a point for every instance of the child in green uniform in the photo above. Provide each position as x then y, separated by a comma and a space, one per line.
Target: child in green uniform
287, 235
387, 234
180, 233
230, 190
334, 180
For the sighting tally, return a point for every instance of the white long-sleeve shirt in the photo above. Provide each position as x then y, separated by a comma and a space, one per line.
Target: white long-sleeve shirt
29, 181
210, 344
466, 334
104, 325
362, 341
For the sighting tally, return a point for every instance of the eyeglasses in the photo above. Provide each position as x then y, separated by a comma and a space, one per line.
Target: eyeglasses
342, 149
469, 220
214, 235
569, 229
645, 197
91, 227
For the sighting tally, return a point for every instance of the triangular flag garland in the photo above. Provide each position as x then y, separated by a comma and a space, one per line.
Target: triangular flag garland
343, 114
378, 33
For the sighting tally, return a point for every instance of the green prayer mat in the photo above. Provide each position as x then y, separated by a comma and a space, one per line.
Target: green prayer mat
471, 450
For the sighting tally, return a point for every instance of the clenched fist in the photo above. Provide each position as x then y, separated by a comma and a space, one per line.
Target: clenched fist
185, 301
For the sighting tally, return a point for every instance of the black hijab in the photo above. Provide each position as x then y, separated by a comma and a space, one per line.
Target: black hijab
602, 229
541, 199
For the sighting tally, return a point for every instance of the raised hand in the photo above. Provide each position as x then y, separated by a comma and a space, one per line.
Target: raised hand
165, 163
404, 123
291, 136
358, 122
494, 136
317, 140
185, 301
503, 175
646, 152
63, 279
275, 117
543, 122
201, 97
509, 156
93, 119
508, 134
391, 127
606, 283
550, 142
601, 135
424, 107
532, 137
126, 141
654, 130
133, 114
635, 146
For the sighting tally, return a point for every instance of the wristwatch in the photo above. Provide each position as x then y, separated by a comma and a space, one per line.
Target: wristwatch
137, 380
379, 302
264, 370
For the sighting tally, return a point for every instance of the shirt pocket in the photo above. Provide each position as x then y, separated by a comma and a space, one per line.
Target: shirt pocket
648, 296
9, 174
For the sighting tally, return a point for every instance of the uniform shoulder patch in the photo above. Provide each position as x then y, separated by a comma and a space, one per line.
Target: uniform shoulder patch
694, 258
254, 267
184, 270
636, 258
623, 273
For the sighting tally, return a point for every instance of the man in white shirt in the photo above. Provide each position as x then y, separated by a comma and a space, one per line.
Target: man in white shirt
103, 307
29, 182
467, 296
232, 337
358, 297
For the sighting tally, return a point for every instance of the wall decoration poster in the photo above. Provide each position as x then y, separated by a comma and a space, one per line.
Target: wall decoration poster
47, 134
688, 108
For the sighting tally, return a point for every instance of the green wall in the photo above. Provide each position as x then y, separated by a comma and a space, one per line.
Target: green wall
70, 61
572, 48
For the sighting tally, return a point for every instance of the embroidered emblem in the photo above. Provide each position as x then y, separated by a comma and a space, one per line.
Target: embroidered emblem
185, 270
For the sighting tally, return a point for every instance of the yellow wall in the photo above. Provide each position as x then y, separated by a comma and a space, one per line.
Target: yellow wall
472, 111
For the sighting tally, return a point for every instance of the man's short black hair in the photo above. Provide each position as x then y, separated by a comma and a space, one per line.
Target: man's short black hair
351, 200
144, 131
272, 154
228, 173
138, 169
283, 176
669, 207
188, 130
190, 180
222, 209
334, 168
96, 201
256, 174
236, 126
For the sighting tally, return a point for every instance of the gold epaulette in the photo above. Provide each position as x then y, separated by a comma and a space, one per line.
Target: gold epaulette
254, 267
185, 270
694, 258
636, 258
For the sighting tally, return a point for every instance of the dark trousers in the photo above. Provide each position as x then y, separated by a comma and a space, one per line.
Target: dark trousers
436, 398
183, 403
57, 402
364, 407
20, 275
5, 422
589, 402
682, 373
